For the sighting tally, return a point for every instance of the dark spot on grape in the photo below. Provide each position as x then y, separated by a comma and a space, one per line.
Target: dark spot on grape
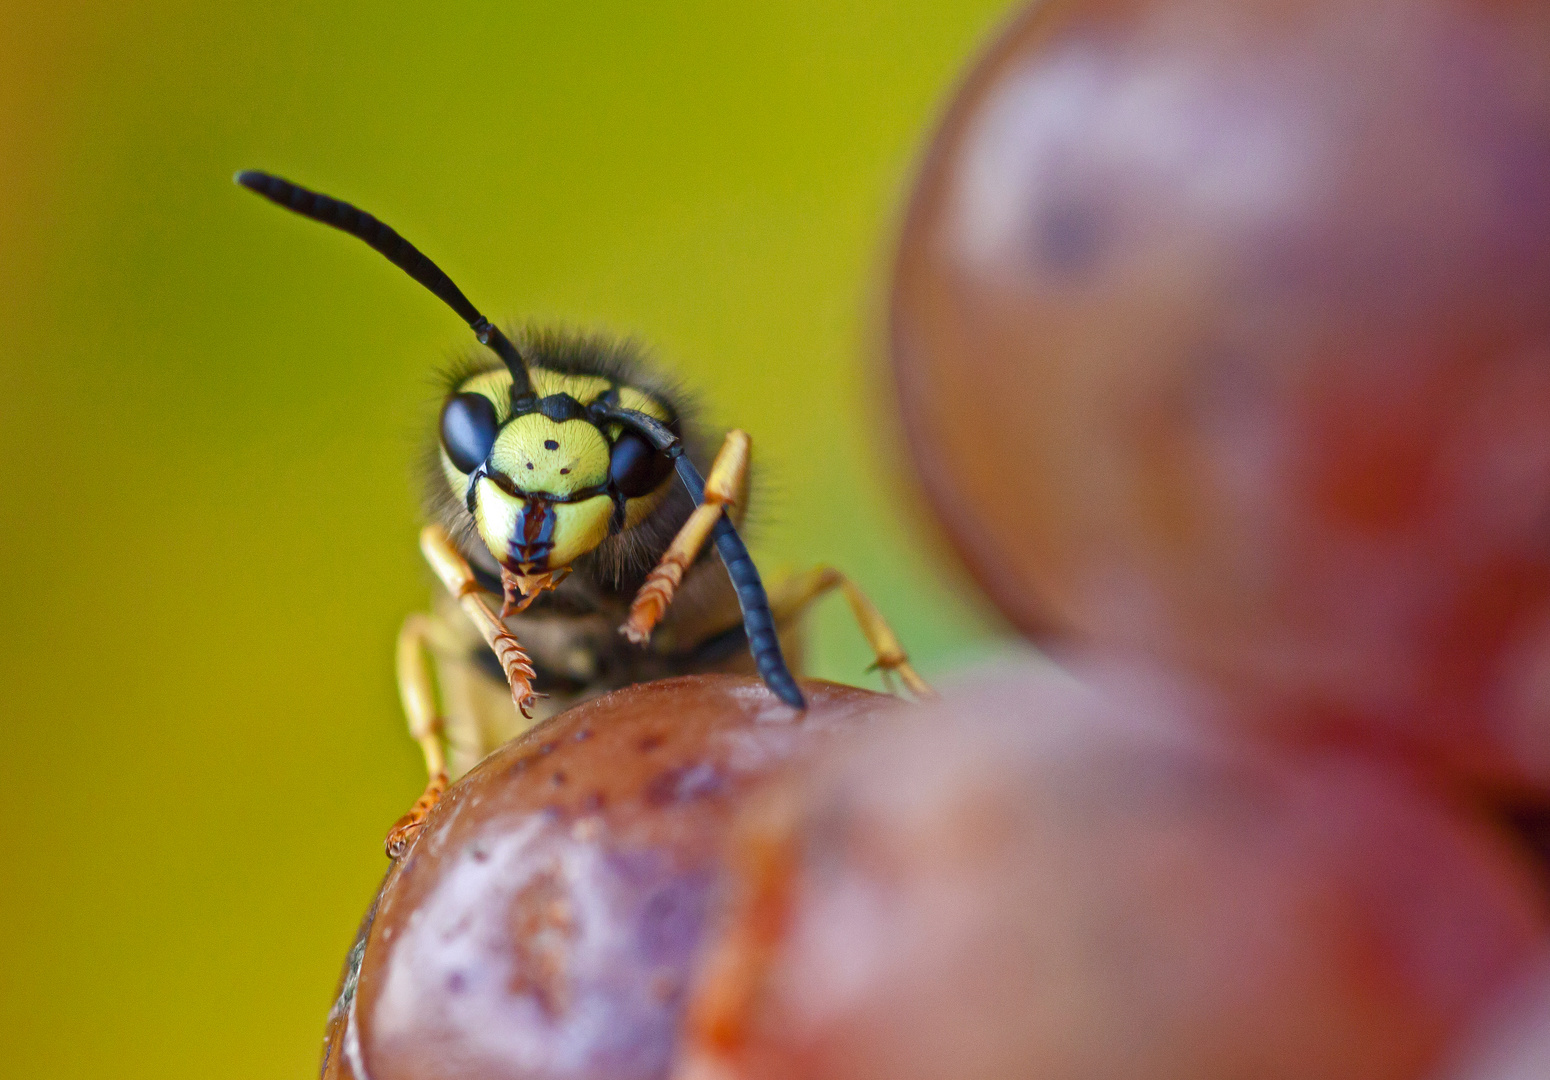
1067, 236
651, 742
583, 735
558, 779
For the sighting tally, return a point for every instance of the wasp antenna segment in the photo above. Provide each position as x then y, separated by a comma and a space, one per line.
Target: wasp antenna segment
758, 621
654, 431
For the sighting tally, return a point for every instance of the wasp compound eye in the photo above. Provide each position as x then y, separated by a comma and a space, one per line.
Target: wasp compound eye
468, 427
635, 468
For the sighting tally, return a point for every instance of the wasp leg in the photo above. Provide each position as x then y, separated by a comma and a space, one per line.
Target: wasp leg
725, 487
416, 691
793, 595
459, 580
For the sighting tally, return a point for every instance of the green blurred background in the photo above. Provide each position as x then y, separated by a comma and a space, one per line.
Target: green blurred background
209, 410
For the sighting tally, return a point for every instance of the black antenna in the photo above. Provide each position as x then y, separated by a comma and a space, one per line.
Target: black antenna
402, 254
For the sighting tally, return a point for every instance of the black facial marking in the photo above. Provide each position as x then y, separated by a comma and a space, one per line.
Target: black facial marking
560, 408
533, 538
616, 522
550, 444
468, 427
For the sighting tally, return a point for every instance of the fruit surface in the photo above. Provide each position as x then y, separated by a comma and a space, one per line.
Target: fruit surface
545, 921
1221, 335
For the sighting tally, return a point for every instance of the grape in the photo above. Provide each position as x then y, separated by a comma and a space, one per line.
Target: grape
545, 921
1222, 336
1042, 879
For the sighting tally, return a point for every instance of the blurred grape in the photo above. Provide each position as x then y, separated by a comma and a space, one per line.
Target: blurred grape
1037, 878
1221, 335
1515, 1044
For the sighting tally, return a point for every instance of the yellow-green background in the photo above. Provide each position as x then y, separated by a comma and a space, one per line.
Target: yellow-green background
208, 411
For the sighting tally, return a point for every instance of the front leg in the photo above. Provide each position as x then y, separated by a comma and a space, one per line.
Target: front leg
452, 569
710, 522
726, 486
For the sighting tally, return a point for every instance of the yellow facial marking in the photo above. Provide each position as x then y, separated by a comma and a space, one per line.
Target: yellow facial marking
543, 457
579, 527
495, 514
584, 388
631, 398
496, 385
638, 509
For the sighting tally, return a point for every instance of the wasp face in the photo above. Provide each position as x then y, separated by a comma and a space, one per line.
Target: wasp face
547, 482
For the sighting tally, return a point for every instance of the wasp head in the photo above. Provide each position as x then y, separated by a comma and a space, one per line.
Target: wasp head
548, 476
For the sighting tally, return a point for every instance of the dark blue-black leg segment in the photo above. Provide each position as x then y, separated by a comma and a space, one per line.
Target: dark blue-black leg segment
758, 622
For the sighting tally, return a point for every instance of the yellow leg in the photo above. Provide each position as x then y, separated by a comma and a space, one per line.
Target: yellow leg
724, 487
417, 692
790, 597
416, 686
459, 580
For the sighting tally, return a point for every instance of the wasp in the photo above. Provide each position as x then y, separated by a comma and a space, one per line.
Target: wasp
573, 503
